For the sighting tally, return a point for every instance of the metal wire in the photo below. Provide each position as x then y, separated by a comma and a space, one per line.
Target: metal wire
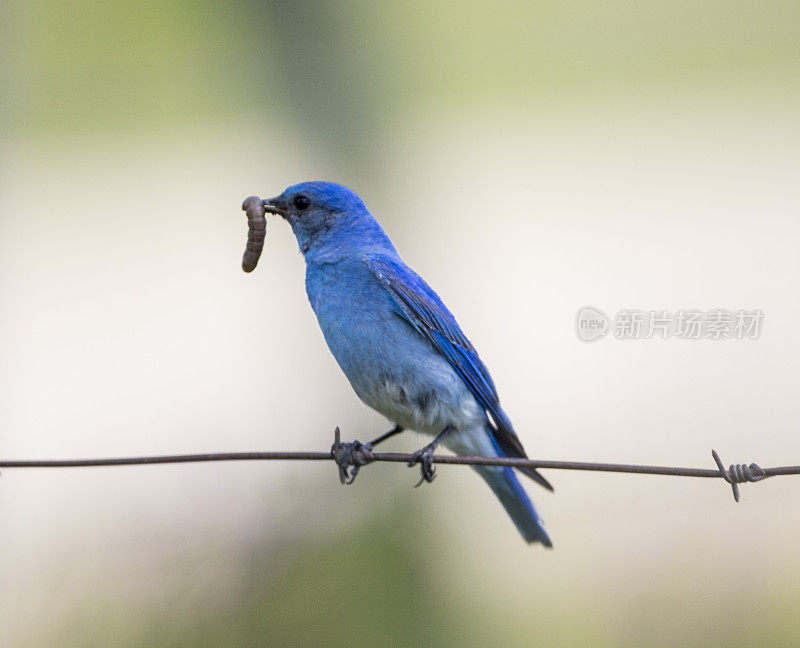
361, 455
739, 474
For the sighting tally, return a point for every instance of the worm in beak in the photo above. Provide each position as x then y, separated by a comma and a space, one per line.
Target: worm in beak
256, 232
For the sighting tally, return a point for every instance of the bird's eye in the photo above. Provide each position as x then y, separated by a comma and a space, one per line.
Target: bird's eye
301, 202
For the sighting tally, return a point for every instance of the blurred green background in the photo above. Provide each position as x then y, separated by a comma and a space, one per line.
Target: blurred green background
528, 159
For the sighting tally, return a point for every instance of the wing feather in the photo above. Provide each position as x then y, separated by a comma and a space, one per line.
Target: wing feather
424, 310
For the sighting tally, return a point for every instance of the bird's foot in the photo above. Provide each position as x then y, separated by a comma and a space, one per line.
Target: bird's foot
347, 455
424, 457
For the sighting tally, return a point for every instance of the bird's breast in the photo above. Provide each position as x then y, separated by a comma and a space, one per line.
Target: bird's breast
391, 367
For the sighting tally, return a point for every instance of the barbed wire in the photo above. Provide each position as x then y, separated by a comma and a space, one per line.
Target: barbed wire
358, 455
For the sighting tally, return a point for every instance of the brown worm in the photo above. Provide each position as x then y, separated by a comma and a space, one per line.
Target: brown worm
257, 232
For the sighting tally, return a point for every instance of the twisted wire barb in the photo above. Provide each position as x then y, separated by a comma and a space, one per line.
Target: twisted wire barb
360, 456
739, 474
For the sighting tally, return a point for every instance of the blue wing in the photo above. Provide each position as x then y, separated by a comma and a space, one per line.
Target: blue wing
418, 304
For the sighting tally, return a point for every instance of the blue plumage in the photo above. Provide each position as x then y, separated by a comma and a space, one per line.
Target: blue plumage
398, 344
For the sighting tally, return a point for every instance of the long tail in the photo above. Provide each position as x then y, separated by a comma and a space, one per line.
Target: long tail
515, 500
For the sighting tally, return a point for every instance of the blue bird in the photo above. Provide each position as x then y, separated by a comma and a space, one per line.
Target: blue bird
398, 344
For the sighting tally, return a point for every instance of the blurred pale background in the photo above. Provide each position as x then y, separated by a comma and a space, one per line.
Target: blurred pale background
528, 159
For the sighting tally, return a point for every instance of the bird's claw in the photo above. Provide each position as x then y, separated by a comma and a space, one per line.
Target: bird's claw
424, 457
346, 455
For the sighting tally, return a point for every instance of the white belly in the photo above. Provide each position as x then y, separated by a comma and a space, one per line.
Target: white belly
425, 410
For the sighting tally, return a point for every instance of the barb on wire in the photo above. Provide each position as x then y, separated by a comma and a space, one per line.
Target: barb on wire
739, 474
354, 454
357, 455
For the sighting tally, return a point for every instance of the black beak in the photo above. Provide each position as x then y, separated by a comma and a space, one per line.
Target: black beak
274, 206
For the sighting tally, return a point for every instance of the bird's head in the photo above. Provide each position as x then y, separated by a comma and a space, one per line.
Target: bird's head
326, 217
